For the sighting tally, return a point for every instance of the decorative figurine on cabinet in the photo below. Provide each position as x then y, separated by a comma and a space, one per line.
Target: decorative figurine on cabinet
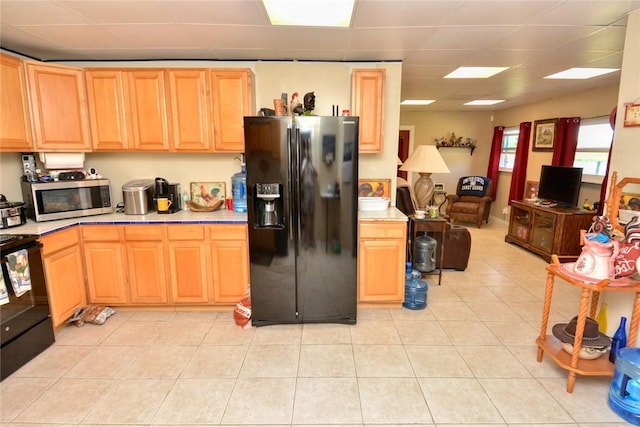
309, 103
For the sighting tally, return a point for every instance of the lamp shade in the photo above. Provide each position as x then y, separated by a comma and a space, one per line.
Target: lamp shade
426, 158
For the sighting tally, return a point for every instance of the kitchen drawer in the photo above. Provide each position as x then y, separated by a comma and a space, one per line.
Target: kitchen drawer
382, 230
185, 232
59, 240
143, 232
228, 232
100, 233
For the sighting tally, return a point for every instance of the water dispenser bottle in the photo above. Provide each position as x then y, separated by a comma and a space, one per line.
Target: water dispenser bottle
425, 257
415, 290
239, 189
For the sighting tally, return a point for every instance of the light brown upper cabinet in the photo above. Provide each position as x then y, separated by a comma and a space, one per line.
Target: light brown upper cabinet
190, 117
367, 99
148, 113
59, 108
106, 97
171, 109
15, 121
232, 99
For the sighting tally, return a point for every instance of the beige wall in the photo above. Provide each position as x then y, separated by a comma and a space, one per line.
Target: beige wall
428, 126
592, 103
331, 83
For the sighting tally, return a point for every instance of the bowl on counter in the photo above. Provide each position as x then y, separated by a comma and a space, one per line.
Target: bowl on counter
373, 203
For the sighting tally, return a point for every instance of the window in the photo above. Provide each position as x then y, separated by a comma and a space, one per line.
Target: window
509, 145
592, 152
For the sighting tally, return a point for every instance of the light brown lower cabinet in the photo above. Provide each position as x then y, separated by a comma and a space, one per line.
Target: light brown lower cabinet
381, 261
229, 262
174, 264
188, 264
64, 272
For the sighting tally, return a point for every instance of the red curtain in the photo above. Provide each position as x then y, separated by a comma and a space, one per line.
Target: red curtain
566, 142
519, 175
494, 158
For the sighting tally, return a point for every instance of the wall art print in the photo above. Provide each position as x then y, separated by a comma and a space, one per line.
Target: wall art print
544, 136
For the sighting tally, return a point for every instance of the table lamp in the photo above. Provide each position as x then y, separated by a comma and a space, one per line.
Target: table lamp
425, 160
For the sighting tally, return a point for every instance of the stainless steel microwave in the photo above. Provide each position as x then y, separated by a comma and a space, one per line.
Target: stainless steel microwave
46, 201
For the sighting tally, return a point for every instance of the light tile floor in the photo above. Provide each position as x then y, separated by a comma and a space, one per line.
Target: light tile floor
468, 359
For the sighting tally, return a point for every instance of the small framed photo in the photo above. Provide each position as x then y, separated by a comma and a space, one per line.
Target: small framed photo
531, 190
544, 134
374, 187
632, 115
438, 186
207, 193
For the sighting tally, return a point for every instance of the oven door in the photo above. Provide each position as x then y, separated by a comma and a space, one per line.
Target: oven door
19, 314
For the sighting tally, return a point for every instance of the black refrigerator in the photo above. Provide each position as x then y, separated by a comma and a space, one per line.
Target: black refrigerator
302, 176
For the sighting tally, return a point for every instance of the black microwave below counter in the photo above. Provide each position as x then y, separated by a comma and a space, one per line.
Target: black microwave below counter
47, 201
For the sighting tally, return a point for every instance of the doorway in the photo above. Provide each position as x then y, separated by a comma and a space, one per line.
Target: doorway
403, 150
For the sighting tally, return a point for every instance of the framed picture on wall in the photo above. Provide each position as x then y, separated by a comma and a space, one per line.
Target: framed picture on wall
544, 134
632, 115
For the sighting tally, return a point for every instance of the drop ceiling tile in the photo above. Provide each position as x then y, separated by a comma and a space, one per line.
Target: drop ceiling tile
230, 36
145, 36
385, 38
498, 12
401, 13
611, 38
586, 12
535, 37
311, 54
227, 12
613, 60
376, 55
76, 36
476, 37
439, 57
426, 71
563, 59
30, 12
120, 12
310, 38
249, 54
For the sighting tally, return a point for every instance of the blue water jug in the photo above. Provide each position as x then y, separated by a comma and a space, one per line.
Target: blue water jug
415, 290
239, 190
624, 394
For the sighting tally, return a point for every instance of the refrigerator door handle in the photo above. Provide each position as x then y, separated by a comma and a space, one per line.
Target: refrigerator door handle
295, 144
291, 187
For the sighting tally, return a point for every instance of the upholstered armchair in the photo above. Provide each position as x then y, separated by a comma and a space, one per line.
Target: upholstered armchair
472, 200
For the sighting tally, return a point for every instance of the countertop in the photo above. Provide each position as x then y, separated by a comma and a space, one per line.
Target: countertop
181, 217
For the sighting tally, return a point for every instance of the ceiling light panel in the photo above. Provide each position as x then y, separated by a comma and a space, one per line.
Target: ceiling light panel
417, 101
485, 102
311, 13
581, 73
474, 72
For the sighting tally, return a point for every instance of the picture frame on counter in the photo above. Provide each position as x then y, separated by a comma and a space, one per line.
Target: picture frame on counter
207, 193
374, 187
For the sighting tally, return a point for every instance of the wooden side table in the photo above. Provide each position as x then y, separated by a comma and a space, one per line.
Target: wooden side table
590, 292
430, 225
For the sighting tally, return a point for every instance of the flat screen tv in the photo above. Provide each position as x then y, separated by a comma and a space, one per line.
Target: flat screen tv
560, 185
